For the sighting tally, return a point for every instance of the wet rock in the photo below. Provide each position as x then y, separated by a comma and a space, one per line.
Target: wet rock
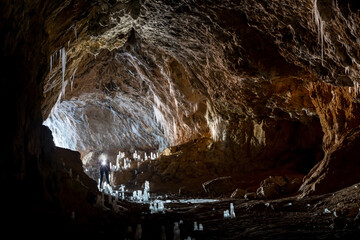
218, 186
238, 193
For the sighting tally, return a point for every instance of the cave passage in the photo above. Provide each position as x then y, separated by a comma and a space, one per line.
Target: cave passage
204, 119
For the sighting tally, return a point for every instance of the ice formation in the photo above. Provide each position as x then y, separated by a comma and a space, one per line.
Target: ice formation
142, 196
156, 206
226, 214
63, 62
176, 231
196, 228
122, 188
320, 24
192, 201
201, 227
231, 213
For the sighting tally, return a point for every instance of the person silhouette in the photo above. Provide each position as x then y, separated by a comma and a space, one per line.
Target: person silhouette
104, 165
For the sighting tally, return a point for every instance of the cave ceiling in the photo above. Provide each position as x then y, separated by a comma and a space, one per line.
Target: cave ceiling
149, 74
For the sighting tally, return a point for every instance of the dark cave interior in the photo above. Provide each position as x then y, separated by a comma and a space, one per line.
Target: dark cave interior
198, 106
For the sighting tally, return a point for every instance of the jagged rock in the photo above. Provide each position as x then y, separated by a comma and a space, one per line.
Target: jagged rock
218, 186
275, 186
238, 193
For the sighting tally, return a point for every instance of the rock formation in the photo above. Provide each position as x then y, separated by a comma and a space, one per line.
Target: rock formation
245, 87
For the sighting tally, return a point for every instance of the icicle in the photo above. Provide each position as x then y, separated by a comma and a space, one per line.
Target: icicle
320, 24
63, 61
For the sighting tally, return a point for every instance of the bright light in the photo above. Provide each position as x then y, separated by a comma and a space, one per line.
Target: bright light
103, 158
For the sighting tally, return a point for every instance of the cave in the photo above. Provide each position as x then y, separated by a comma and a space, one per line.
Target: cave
217, 119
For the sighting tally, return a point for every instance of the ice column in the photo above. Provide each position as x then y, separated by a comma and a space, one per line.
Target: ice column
226, 214
63, 62
232, 213
122, 192
146, 191
196, 226
176, 231
201, 228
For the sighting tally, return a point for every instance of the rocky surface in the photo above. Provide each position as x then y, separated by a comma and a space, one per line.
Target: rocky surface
266, 85
276, 81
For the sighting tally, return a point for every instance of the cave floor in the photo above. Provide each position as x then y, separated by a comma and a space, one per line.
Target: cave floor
329, 216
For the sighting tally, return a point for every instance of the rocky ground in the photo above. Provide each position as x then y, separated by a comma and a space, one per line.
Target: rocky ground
329, 216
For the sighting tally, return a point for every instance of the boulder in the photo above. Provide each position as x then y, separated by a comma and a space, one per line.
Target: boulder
238, 193
218, 186
281, 181
269, 191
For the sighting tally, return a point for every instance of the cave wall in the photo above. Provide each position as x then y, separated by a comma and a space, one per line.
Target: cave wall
37, 189
245, 85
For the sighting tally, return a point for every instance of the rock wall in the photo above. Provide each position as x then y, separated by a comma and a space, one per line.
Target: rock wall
256, 76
